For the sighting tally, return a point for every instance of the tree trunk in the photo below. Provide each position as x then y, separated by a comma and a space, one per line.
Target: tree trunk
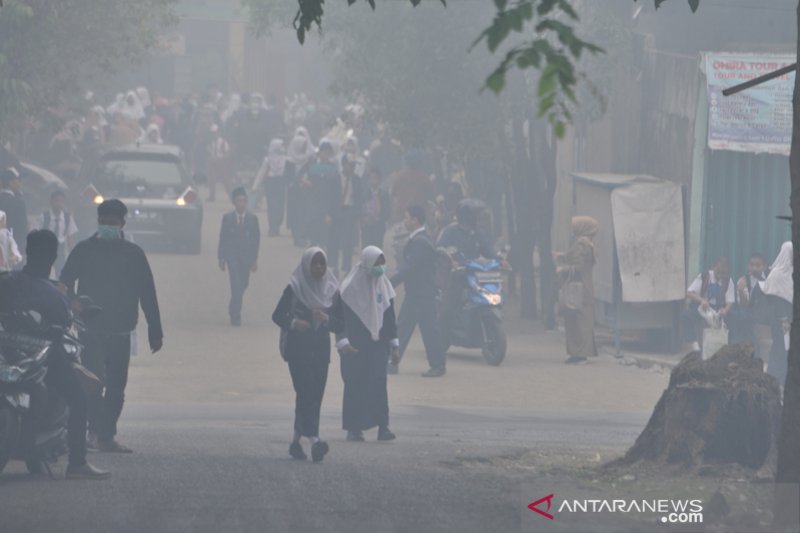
525, 221
544, 156
786, 504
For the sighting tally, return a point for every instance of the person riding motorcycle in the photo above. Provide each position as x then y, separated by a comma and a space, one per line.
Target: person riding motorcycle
470, 241
466, 241
31, 290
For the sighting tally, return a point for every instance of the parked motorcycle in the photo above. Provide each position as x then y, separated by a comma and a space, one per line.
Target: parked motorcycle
477, 321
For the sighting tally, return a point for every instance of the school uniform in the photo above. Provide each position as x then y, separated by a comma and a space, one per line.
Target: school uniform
239, 242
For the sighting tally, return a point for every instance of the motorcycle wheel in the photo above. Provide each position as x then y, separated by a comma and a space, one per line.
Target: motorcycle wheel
494, 337
9, 434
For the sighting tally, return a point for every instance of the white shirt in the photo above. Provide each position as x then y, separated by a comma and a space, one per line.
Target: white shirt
697, 288
59, 222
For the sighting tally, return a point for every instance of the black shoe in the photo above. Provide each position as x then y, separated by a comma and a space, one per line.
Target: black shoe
355, 436
434, 373
572, 360
236, 322
318, 451
296, 451
386, 434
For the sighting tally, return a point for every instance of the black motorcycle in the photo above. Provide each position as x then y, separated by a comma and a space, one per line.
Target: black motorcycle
26, 344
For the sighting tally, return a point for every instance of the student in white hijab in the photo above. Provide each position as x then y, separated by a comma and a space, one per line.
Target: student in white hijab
306, 322
9, 251
131, 107
116, 105
365, 342
779, 289
275, 174
301, 150
153, 134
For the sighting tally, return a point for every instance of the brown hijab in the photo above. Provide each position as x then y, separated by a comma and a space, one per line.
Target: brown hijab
584, 227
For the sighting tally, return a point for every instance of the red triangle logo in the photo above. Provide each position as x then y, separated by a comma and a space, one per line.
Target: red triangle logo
535, 506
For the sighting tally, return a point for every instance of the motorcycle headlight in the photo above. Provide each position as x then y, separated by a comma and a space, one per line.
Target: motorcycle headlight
494, 299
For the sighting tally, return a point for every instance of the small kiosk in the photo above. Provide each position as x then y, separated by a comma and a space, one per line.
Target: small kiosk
640, 275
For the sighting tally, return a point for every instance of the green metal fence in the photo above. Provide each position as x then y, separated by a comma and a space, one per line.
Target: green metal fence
743, 195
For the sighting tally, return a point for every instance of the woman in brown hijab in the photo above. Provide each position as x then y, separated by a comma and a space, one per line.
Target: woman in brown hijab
576, 266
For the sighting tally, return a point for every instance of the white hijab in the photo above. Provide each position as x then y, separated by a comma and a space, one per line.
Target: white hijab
300, 151
116, 106
131, 106
276, 157
369, 297
779, 282
313, 293
9, 253
153, 134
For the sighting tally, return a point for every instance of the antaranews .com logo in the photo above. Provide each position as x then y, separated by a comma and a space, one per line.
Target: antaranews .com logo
669, 511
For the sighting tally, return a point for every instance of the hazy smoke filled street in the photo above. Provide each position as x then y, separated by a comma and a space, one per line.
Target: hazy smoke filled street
208, 420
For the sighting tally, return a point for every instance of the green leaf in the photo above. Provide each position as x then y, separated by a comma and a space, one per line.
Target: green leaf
560, 129
497, 80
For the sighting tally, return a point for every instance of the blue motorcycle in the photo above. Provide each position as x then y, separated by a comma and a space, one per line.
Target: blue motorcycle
475, 317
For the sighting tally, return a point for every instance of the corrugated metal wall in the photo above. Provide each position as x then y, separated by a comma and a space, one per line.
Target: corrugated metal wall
744, 193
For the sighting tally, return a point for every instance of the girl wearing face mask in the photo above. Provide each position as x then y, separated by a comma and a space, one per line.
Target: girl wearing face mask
365, 343
304, 317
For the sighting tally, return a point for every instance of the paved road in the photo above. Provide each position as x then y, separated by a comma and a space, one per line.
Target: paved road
210, 419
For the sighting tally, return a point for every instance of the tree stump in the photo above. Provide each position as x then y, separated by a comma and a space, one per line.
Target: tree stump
724, 410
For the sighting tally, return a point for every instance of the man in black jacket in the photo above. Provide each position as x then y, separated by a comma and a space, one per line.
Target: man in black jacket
116, 275
419, 306
239, 239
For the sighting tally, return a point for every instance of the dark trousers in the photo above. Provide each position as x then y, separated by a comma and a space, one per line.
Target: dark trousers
239, 274
275, 189
309, 375
61, 381
372, 235
108, 357
342, 238
421, 309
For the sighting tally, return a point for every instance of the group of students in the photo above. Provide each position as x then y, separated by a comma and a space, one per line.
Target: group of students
757, 308
14, 222
360, 313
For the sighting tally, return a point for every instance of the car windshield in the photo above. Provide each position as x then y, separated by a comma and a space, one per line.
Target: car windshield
124, 173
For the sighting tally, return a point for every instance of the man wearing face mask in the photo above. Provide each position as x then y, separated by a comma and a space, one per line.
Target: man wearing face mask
116, 275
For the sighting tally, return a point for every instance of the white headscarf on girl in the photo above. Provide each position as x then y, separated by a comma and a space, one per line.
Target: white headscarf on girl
779, 282
368, 297
116, 105
9, 253
132, 107
153, 134
313, 293
300, 151
274, 163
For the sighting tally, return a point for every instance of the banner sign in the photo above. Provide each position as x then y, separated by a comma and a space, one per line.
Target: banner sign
757, 120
